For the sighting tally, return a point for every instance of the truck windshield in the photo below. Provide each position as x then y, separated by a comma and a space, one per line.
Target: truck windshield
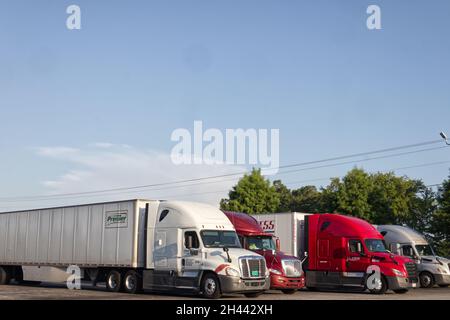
220, 239
375, 245
424, 250
260, 243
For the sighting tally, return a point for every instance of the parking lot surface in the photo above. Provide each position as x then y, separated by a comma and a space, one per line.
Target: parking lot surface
60, 292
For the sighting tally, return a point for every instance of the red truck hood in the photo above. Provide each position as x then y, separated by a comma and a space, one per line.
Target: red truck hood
389, 257
273, 258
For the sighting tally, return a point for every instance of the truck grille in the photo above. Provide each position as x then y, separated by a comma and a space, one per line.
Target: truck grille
292, 268
253, 267
411, 269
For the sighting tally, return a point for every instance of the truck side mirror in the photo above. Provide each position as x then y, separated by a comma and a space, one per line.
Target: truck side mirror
395, 248
278, 244
305, 256
189, 242
359, 247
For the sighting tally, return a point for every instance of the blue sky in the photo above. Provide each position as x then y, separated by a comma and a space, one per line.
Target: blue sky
137, 70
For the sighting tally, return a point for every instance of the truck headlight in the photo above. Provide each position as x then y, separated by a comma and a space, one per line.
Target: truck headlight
232, 272
398, 273
274, 271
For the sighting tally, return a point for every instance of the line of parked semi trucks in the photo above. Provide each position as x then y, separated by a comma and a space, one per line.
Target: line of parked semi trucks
171, 246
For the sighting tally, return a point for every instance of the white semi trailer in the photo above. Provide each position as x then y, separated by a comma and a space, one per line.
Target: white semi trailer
131, 245
289, 228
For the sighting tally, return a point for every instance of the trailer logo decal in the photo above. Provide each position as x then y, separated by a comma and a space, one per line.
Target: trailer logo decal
116, 219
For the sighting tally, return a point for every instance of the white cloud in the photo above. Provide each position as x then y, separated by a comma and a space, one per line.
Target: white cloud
105, 167
56, 151
103, 145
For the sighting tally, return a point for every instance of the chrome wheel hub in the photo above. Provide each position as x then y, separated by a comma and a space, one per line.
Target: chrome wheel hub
130, 283
210, 286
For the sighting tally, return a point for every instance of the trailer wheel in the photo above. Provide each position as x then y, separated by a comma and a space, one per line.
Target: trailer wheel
114, 281
210, 286
5, 276
132, 282
426, 280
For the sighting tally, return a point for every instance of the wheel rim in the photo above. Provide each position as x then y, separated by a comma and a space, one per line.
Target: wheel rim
210, 286
377, 284
426, 280
112, 281
130, 282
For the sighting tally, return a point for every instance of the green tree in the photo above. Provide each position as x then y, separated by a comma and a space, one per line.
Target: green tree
252, 194
422, 208
328, 198
441, 220
353, 194
284, 195
306, 199
392, 198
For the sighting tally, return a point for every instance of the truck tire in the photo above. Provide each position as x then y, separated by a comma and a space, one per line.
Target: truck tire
210, 286
5, 276
443, 285
253, 294
114, 281
288, 291
401, 291
382, 287
132, 282
426, 280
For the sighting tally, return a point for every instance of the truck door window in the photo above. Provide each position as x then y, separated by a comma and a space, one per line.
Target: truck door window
407, 250
241, 240
195, 241
355, 246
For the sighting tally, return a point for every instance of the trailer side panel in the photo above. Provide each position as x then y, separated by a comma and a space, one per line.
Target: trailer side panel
102, 234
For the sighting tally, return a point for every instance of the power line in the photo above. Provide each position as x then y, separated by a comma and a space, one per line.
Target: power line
68, 195
363, 160
220, 191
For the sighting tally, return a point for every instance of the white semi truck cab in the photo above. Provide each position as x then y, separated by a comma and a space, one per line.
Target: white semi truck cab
432, 270
209, 254
132, 245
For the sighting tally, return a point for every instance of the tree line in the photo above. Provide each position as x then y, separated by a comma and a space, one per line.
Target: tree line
380, 198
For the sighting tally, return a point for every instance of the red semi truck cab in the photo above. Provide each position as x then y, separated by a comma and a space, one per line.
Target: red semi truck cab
285, 271
342, 248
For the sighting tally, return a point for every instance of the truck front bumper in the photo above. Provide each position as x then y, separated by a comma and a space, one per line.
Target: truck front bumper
280, 282
442, 279
238, 285
398, 283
